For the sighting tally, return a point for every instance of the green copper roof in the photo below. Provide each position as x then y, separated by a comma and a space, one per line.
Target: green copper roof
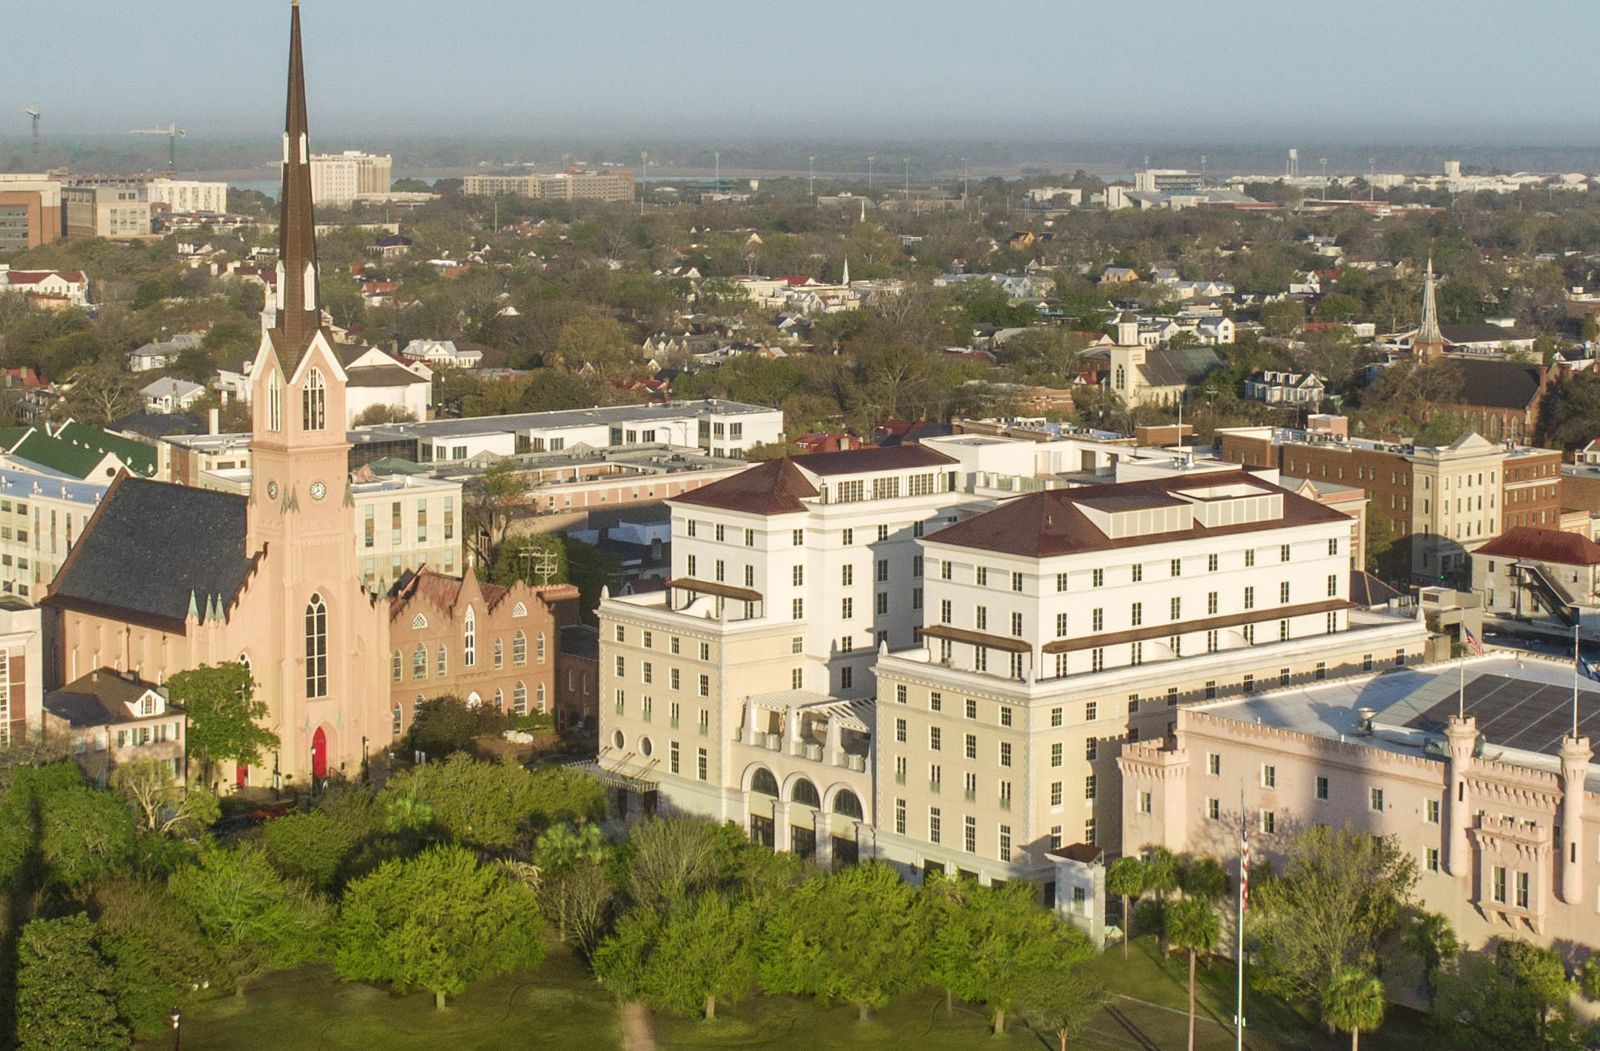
76, 450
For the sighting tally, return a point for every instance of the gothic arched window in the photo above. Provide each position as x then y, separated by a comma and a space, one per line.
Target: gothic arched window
469, 640
419, 662
396, 666
316, 647
519, 649
274, 402
519, 699
499, 653
314, 402
539, 703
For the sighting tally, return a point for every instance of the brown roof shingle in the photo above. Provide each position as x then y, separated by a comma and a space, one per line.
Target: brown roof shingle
1544, 545
773, 488
1047, 524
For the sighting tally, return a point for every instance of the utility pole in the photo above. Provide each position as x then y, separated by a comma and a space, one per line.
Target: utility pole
1324, 162
966, 189
717, 160
1202, 169
1372, 173
644, 169
811, 168
907, 162
870, 159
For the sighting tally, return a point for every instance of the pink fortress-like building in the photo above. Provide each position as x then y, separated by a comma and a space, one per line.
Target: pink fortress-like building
1499, 808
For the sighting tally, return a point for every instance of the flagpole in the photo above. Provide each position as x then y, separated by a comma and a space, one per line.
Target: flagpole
1244, 883
1576, 659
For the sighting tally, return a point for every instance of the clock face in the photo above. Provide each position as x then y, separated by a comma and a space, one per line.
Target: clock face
272, 490
318, 490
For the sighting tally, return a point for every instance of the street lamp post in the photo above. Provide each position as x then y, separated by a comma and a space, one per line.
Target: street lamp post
364, 768
177, 1035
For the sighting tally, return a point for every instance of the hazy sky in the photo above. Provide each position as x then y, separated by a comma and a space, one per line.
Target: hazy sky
1413, 70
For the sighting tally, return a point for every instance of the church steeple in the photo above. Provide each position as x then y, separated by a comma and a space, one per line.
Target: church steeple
1429, 341
299, 308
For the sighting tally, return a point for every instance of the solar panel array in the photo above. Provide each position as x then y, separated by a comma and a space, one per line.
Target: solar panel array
1515, 713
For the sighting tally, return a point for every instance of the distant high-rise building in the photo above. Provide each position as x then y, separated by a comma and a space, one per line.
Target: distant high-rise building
609, 185
338, 179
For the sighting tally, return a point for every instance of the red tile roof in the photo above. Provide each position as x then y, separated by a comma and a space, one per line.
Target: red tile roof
861, 461
1544, 545
33, 277
1047, 524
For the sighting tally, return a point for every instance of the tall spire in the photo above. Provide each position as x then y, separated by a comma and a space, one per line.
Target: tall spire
298, 306
1429, 341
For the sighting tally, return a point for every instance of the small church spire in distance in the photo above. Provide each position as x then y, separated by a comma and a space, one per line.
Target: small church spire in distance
1429, 341
299, 308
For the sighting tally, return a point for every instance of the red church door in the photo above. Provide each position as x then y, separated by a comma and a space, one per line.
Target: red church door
241, 774
319, 754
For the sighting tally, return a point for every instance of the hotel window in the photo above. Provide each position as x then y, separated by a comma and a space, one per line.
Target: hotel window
1016, 624
1016, 666
900, 730
749, 538
1283, 553
1250, 557
797, 678
1214, 809
672, 756
944, 569
1016, 582
1211, 563
971, 746
980, 658
1375, 800
1211, 602
971, 708
797, 609
935, 701
1283, 591
1176, 567
749, 576
847, 575
1099, 578
1136, 654
1091, 711
1138, 572
1283, 673
1055, 754
705, 685
721, 570
882, 603
1061, 625
1061, 582
900, 817
1097, 659
935, 777
1056, 716
674, 679
701, 763
1055, 793
935, 822
1333, 546
1211, 640
692, 565
935, 739
1172, 696
1097, 619
944, 611
720, 533
1088, 831
646, 672
1055, 837
798, 536
1005, 753
847, 608
1250, 598
1333, 621
1005, 842
916, 563
1249, 684
1283, 633
983, 576
1005, 715
1333, 585
1175, 608
1091, 749
970, 835
848, 536
1137, 614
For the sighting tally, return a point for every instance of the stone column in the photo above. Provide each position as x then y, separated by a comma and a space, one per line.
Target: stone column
780, 826
824, 833
1575, 755
1461, 736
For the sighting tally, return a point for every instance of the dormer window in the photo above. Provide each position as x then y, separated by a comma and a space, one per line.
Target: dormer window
147, 705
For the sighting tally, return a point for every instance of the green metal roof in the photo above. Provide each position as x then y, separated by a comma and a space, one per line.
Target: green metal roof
76, 450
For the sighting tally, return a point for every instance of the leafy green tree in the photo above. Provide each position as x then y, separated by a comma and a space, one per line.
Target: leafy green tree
54, 830
312, 847
685, 961
854, 936
987, 947
158, 954
1060, 1003
1354, 1001
1125, 879
1204, 878
443, 726
224, 715
1429, 937
1511, 998
1340, 894
671, 858
438, 921
562, 846
1192, 927
1283, 317
65, 991
160, 803
489, 506
493, 806
253, 919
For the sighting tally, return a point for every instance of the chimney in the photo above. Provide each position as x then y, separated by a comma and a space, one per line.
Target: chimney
214, 421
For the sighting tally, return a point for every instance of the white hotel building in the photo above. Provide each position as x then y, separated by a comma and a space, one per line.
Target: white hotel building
857, 655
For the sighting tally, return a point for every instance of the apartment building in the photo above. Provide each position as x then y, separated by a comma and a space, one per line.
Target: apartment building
189, 196
30, 211
573, 185
1475, 772
1066, 624
746, 685
1447, 499
339, 179
114, 210
41, 517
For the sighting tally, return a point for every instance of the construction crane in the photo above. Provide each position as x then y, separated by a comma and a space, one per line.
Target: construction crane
33, 111
173, 134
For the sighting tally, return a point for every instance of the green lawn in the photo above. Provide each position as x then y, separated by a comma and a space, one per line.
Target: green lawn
560, 1005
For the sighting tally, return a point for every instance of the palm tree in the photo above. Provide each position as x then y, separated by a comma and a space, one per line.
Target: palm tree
1192, 926
1354, 1001
1125, 878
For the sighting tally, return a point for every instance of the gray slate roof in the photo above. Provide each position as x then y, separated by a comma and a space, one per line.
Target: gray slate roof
151, 546
97, 699
1181, 367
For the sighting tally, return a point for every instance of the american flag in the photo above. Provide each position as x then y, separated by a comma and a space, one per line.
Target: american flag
1472, 640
